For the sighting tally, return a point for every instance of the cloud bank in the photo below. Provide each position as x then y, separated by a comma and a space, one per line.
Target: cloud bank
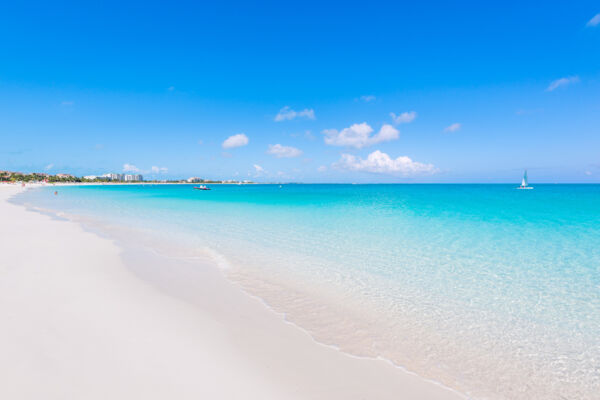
258, 170
562, 82
404, 118
238, 140
286, 113
359, 136
381, 163
280, 151
130, 168
453, 128
595, 21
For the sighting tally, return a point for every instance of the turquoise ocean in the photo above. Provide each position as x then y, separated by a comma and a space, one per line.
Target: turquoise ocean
490, 290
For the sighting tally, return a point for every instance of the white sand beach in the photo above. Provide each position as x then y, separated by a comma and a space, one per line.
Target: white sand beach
83, 318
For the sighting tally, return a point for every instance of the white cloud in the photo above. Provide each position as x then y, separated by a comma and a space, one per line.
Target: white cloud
322, 168
588, 173
359, 135
130, 168
280, 151
159, 170
286, 113
235, 141
49, 166
453, 128
258, 171
368, 98
595, 21
562, 82
404, 118
380, 163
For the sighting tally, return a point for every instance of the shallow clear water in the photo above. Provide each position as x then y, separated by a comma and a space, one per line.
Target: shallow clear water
490, 290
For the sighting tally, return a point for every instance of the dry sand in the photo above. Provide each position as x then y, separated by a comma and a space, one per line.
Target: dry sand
83, 318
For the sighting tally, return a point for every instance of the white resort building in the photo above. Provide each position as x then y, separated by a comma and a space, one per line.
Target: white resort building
133, 178
123, 177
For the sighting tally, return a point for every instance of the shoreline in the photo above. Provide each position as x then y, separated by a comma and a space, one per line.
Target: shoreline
291, 363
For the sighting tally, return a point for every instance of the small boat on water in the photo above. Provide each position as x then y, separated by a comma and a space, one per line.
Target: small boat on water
524, 184
201, 187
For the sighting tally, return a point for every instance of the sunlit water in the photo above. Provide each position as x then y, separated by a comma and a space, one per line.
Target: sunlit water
490, 290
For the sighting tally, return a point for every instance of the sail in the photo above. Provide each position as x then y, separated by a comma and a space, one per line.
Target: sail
524, 182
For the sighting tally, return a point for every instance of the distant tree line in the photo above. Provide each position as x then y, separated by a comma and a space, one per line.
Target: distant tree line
9, 176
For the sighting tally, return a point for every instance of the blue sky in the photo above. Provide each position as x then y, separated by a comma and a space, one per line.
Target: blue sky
478, 91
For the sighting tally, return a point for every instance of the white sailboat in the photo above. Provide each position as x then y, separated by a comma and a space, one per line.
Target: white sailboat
524, 182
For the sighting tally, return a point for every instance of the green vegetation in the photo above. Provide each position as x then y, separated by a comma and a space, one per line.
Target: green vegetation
7, 176
203, 181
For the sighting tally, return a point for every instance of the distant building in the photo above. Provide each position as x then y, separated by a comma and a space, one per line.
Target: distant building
195, 179
90, 177
133, 178
65, 176
114, 177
